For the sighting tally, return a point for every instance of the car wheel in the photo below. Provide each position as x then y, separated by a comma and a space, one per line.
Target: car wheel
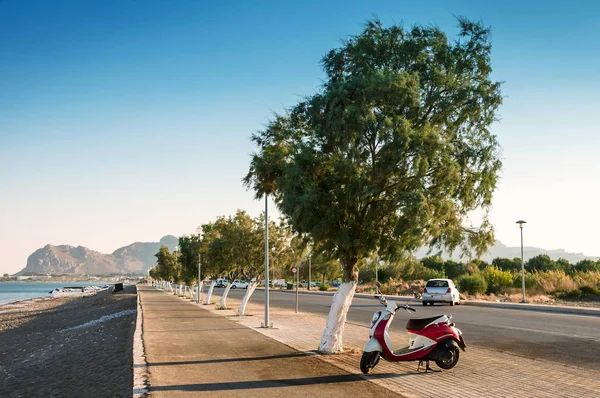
424, 303
431, 303
233, 287
246, 287
452, 303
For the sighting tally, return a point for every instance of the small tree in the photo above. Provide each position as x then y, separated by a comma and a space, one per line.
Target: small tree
167, 266
217, 248
541, 262
189, 256
506, 264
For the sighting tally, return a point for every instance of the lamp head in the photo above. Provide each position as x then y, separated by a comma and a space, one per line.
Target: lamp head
521, 222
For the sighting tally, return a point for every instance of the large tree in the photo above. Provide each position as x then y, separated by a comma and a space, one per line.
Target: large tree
393, 152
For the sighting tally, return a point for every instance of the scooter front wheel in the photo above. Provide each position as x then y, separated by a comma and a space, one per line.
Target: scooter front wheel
369, 360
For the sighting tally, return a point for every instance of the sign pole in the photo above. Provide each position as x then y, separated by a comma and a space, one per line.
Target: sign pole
199, 280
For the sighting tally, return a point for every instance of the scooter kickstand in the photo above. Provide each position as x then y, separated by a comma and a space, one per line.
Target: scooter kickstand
427, 368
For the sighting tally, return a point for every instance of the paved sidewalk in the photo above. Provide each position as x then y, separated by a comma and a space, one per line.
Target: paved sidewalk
479, 373
191, 352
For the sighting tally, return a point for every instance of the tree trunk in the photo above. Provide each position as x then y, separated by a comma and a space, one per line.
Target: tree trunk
331, 341
210, 292
223, 302
251, 288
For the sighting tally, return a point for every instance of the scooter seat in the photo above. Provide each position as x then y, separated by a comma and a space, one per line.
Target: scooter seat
420, 323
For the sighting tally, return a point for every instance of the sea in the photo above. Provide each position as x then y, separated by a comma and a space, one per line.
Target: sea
16, 291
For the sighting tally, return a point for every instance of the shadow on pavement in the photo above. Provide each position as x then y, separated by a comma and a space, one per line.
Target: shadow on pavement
247, 385
222, 360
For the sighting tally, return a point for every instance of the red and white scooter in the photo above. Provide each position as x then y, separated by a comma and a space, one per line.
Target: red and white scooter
429, 339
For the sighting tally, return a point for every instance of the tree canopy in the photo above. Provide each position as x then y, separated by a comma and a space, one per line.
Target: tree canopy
394, 151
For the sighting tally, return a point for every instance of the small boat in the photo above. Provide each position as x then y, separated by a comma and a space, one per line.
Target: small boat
74, 291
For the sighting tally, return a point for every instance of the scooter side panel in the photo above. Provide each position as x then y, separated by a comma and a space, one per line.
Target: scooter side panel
410, 355
438, 332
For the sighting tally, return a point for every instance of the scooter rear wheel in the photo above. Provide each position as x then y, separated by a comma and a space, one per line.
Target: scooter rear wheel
450, 358
369, 360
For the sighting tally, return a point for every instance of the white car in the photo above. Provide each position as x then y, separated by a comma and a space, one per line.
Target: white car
440, 291
237, 284
222, 283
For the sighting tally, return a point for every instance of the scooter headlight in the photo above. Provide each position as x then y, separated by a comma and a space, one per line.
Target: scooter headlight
375, 318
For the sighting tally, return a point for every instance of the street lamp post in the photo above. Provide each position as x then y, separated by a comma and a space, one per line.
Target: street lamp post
267, 324
521, 222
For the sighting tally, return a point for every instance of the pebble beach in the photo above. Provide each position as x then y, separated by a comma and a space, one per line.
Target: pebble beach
68, 347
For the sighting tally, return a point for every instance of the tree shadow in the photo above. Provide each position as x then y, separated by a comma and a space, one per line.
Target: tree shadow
276, 383
225, 360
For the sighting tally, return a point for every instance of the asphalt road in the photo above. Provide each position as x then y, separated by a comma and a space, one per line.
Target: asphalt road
564, 338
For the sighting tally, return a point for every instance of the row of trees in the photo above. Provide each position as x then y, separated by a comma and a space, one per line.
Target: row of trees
411, 269
232, 247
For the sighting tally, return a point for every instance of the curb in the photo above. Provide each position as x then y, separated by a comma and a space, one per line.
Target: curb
562, 309
140, 367
559, 309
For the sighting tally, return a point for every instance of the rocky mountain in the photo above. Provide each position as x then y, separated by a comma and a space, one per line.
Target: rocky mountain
501, 250
137, 257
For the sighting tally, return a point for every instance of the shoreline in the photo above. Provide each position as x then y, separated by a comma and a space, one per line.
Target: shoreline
68, 346
38, 298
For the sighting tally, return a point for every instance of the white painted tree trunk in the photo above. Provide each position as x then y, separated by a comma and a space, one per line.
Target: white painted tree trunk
223, 302
331, 341
170, 287
251, 288
210, 292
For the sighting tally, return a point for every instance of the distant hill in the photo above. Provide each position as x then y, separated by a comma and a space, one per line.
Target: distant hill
501, 250
137, 257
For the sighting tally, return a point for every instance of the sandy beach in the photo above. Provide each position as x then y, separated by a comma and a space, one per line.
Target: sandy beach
68, 347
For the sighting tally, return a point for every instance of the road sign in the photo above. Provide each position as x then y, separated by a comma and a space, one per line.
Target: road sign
294, 270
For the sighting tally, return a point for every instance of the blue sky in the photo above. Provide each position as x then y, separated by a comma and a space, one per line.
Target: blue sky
124, 121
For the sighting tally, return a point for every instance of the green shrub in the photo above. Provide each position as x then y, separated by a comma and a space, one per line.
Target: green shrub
324, 287
472, 284
581, 293
497, 280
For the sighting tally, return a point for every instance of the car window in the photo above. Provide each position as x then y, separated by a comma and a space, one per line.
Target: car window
437, 284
